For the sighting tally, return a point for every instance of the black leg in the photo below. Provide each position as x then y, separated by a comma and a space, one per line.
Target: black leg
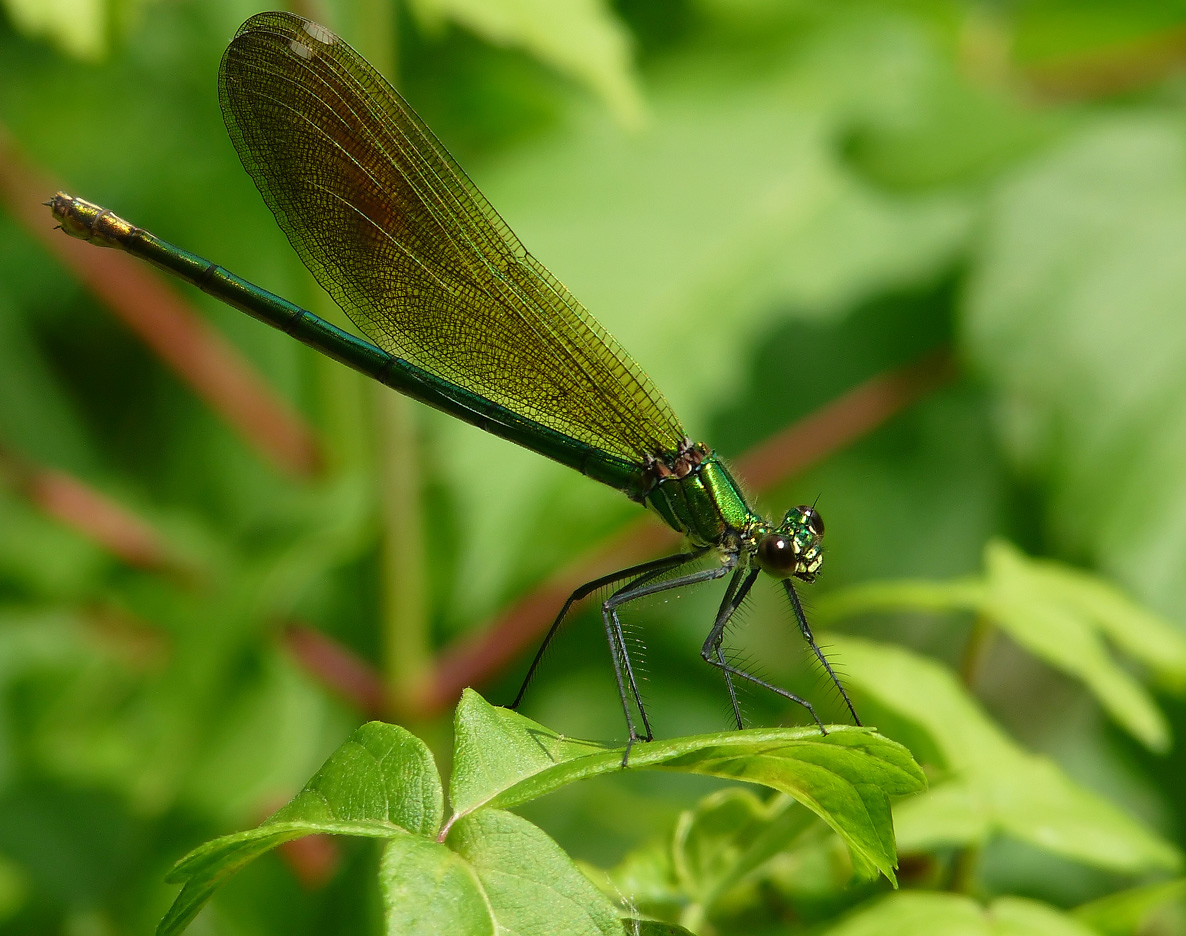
712, 645
646, 569
732, 691
617, 645
613, 627
819, 654
739, 587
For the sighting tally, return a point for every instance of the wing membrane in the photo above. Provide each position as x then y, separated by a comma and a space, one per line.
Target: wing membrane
401, 238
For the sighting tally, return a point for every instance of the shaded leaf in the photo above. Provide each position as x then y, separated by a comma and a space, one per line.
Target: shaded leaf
846, 777
1126, 911
642, 883
1073, 311
729, 835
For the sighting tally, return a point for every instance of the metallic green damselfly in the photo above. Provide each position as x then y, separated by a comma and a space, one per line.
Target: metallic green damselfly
461, 317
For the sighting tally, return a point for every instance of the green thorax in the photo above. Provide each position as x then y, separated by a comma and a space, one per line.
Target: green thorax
705, 504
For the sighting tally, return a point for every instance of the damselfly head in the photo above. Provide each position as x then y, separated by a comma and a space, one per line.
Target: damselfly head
795, 547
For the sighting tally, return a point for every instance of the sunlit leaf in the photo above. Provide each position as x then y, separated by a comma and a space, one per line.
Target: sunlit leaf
79, 27
1059, 614
1065, 636
911, 913
532, 887
497, 873
845, 777
382, 783
429, 889
579, 37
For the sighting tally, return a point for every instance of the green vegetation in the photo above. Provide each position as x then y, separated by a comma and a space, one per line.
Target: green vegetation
941, 241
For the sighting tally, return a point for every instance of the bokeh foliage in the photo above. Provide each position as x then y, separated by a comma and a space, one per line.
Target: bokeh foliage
767, 203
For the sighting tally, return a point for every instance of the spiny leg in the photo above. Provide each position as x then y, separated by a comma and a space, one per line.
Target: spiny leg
655, 566
617, 643
739, 587
711, 654
609, 612
819, 654
732, 691
616, 655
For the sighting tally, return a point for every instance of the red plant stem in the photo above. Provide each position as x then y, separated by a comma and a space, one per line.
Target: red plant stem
337, 668
1110, 70
177, 334
100, 519
90, 513
314, 859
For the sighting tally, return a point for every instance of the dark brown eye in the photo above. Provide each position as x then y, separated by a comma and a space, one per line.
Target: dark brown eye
812, 518
776, 554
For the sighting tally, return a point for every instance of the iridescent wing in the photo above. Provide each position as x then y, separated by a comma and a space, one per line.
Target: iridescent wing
412, 251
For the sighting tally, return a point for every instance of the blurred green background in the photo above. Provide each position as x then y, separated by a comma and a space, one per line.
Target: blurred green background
219, 553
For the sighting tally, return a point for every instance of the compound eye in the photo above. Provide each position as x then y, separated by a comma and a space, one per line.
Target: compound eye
812, 518
776, 554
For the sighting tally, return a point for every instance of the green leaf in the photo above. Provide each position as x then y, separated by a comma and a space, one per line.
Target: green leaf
77, 26
1157, 643
911, 913
497, 873
530, 884
846, 777
429, 890
1062, 616
382, 783
581, 37
1126, 911
995, 787
383, 775
14, 888
643, 882
728, 836
1074, 314
1067, 636
1014, 916
900, 595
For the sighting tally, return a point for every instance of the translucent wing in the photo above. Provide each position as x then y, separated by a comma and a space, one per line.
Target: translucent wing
412, 251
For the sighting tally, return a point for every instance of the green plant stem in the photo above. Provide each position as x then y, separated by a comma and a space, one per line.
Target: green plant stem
406, 650
974, 650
